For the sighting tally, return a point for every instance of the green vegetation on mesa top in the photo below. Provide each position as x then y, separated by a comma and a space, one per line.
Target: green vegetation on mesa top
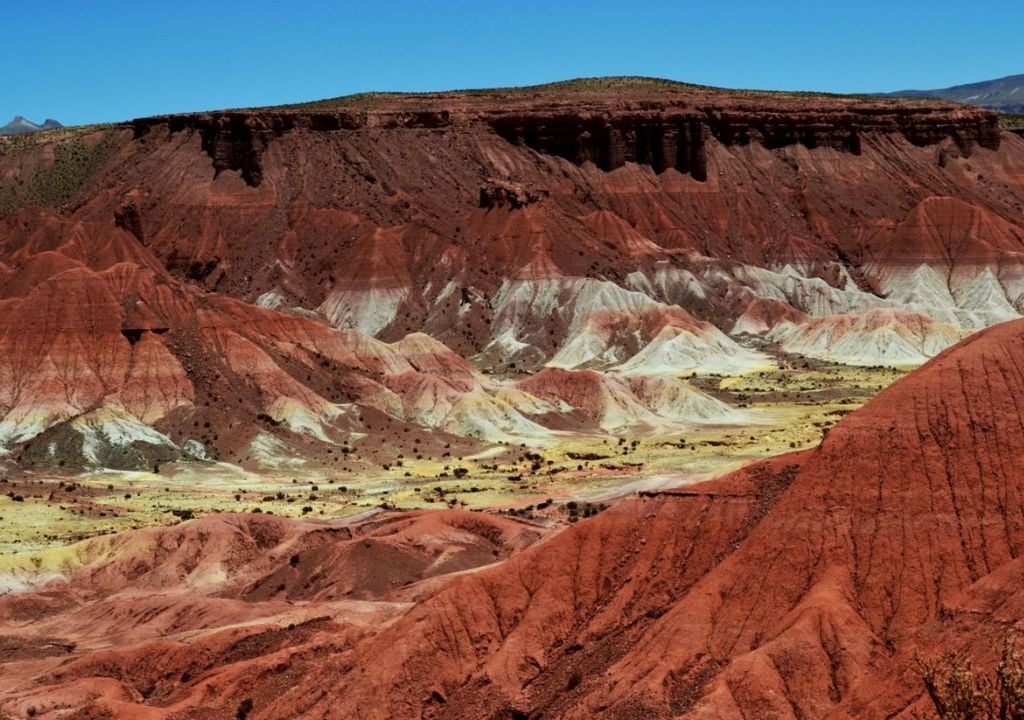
1011, 122
365, 100
633, 83
613, 84
75, 159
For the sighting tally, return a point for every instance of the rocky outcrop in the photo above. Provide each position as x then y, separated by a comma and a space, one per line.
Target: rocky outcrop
661, 141
235, 145
127, 218
659, 132
504, 193
669, 138
236, 140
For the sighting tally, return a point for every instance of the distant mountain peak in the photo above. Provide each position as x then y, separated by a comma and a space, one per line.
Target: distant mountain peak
1005, 94
21, 125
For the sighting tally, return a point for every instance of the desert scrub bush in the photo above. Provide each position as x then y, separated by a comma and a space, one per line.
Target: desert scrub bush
74, 161
1011, 122
959, 691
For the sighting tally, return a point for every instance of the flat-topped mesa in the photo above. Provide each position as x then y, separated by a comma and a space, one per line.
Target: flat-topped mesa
669, 137
609, 142
664, 130
235, 140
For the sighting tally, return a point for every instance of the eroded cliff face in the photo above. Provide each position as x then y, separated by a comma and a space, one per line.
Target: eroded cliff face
236, 140
641, 234
393, 211
659, 133
668, 137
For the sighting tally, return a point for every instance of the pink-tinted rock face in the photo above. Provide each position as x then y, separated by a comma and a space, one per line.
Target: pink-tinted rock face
663, 129
110, 360
382, 176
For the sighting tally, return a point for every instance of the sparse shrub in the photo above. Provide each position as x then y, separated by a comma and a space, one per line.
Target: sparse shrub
244, 708
958, 691
74, 161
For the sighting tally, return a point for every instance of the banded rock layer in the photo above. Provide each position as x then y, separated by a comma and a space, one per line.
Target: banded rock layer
798, 587
645, 233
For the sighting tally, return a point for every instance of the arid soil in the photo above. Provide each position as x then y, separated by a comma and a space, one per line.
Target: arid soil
796, 587
775, 412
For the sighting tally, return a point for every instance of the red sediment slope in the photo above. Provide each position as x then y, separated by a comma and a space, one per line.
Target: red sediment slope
784, 590
280, 255
131, 618
793, 588
112, 361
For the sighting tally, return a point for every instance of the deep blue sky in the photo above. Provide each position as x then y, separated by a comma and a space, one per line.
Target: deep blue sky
87, 61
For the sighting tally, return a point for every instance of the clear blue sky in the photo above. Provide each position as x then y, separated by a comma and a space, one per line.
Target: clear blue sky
87, 61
